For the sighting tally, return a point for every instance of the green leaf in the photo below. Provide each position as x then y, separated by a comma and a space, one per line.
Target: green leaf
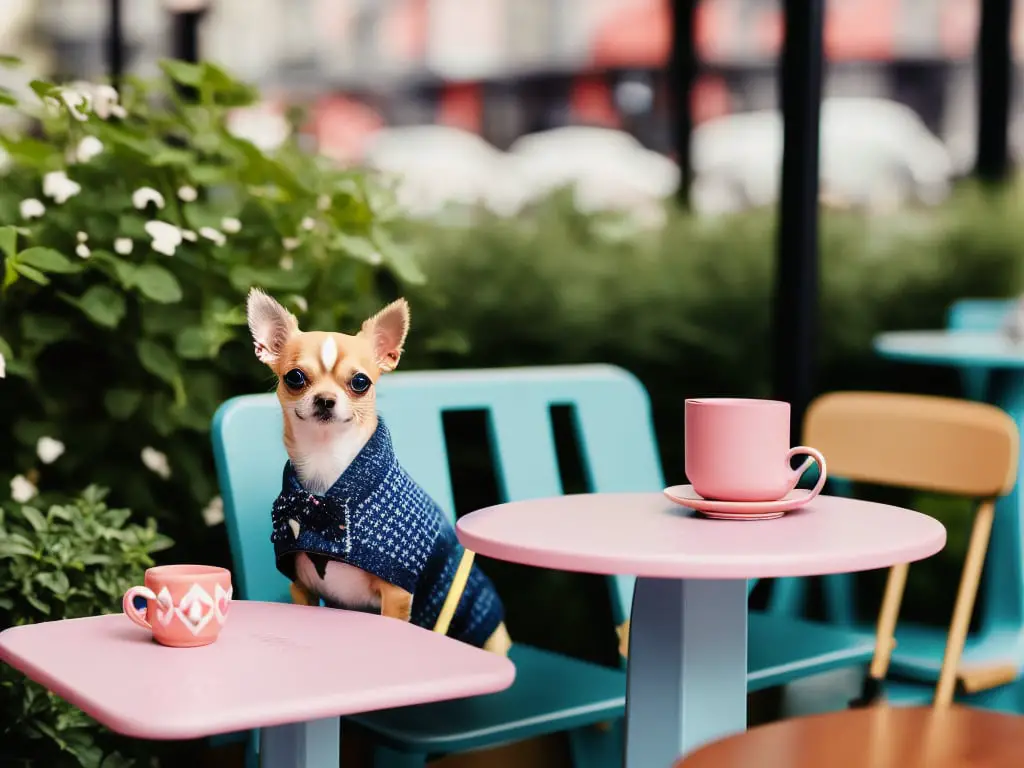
55, 581
171, 156
121, 269
48, 260
399, 259
182, 71
7, 98
121, 403
9, 62
45, 329
31, 273
16, 546
156, 283
8, 240
157, 360
42, 88
35, 518
103, 305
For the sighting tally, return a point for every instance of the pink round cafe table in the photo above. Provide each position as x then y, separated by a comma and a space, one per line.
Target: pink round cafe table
687, 681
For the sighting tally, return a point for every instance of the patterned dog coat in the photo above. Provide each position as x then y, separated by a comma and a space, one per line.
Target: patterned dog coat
378, 519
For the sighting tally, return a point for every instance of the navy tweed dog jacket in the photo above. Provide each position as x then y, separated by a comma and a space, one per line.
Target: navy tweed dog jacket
377, 518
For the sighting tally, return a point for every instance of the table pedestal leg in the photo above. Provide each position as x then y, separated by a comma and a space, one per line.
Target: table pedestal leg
314, 744
687, 681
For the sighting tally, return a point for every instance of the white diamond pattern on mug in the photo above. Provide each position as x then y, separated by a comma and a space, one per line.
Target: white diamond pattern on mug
196, 609
164, 607
221, 602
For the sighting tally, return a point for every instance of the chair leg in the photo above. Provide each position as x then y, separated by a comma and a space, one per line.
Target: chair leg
598, 746
252, 749
386, 757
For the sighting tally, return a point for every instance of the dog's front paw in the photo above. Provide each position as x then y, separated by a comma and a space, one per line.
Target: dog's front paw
301, 597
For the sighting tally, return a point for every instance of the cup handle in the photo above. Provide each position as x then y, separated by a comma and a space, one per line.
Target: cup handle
813, 457
133, 613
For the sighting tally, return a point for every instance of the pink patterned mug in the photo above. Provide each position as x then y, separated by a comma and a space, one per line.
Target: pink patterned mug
737, 449
186, 605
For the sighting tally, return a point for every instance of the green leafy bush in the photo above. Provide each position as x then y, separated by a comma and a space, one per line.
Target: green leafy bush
135, 225
63, 561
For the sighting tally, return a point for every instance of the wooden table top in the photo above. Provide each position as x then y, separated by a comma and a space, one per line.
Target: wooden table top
874, 737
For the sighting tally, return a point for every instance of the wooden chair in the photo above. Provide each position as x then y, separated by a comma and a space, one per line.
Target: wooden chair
928, 443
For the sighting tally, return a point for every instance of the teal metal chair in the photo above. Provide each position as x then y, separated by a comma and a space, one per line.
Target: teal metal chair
552, 693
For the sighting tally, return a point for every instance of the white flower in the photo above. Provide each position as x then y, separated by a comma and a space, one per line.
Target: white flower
212, 234
307, 223
213, 513
3, 367
156, 462
166, 237
31, 208
76, 101
143, 196
188, 234
301, 303
49, 449
323, 202
22, 489
81, 236
123, 245
187, 194
118, 111
104, 100
287, 263
231, 225
375, 258
290, 243
88, 148
261, 125
83, 251
58, 186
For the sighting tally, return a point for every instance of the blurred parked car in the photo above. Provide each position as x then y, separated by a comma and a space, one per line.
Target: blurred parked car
875, 153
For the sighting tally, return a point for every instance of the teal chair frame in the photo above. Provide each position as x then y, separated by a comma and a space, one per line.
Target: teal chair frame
552, 693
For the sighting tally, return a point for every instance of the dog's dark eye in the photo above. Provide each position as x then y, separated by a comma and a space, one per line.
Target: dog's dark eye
295, 379
360, 383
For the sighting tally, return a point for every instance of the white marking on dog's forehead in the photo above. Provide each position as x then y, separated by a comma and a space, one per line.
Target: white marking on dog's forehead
329, 353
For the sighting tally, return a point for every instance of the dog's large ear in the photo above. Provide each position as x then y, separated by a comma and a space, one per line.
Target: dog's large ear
387, 330
270, 324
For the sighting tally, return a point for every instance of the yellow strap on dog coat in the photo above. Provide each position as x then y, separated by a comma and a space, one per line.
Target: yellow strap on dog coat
451, 600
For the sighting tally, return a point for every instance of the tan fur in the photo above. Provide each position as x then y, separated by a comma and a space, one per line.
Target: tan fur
321, 451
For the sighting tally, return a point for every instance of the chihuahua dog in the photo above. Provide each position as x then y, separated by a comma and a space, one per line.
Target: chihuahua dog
351, 527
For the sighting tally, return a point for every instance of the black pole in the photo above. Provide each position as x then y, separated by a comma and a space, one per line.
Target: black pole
186, 35
682, 72
185, 45
995, 75
115, 44
796, 288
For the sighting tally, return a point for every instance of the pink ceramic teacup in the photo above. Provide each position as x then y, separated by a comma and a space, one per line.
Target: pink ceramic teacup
737, 449
186, 605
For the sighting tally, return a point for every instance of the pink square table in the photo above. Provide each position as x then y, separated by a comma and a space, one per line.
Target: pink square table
687, 673
289, 670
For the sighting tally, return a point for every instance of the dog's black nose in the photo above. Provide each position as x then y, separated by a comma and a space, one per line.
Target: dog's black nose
324, 403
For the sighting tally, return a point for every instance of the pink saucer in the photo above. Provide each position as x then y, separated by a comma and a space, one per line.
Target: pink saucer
739, 510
